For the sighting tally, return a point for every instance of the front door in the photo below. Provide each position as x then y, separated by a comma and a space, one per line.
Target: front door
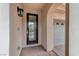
32, 28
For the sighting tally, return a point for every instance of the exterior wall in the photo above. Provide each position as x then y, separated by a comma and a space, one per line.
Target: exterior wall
44, 26
4, 29
74, 30
15, 30
43, 34
50, 38
24, 41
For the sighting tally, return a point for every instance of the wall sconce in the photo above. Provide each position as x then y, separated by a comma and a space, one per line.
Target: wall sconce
20, 12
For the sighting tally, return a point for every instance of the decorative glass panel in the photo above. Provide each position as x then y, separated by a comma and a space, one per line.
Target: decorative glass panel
32, 28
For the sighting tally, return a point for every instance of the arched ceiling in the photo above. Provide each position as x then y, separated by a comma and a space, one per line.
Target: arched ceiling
57, 11
59, 8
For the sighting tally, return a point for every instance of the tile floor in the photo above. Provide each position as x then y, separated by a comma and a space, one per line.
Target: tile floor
39, 51
60, 50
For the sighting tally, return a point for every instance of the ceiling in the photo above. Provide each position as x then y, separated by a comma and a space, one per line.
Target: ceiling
34, 6
58, 9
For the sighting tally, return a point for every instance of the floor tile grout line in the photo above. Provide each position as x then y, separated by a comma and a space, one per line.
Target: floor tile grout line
55, 53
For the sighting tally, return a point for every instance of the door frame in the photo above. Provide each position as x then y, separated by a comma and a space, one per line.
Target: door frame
27, 40
67, 30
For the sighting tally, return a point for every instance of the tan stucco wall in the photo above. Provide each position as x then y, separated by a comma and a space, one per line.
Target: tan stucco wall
44, 25
50, 36
15, 30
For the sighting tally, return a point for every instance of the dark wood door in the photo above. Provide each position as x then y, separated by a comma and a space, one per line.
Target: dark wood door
32, 28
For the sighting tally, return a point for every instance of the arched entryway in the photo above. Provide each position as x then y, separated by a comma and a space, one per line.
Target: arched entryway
56, 12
